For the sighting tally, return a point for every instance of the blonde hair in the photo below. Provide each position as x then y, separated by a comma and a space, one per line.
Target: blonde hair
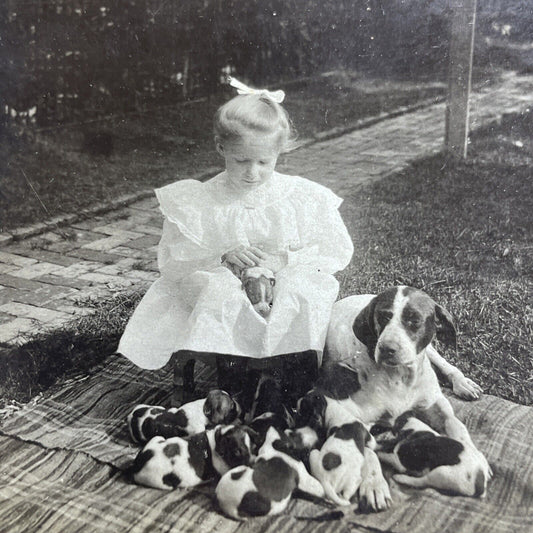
253, 113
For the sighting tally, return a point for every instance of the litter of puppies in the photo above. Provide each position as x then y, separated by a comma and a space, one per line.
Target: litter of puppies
263, 457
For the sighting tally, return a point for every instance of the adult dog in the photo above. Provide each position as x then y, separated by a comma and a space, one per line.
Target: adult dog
378, 365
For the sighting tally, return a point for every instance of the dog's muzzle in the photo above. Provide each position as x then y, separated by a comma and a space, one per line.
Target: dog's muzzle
395, 348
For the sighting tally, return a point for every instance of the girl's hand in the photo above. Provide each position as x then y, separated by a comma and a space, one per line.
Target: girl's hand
243, 256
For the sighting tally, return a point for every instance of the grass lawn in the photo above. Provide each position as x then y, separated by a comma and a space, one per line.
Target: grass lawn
459, 230
56, 173
462, 231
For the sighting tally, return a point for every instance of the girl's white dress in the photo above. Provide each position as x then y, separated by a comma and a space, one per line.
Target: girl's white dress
198, 304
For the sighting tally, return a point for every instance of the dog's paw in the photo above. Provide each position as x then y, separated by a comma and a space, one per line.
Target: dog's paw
465, 388
374, 494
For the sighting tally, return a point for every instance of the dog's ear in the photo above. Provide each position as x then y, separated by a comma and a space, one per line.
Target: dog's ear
364, 328
236, 411
255, 437
218, 433
400, 422
444, 323
288, 417
208, 405
331, 431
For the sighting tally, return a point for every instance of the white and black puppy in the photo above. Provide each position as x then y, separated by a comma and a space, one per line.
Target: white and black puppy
338, 463
266, 487
268, 405
300, 441
320, 412
186, 462
426, 459
258, 283
147, 421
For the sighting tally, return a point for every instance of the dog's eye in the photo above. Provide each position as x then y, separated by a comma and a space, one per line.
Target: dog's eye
412, 320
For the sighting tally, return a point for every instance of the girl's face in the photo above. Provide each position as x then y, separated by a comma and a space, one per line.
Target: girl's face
250, 161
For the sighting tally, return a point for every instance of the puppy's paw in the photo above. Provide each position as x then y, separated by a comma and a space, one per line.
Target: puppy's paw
374, 494
465, 388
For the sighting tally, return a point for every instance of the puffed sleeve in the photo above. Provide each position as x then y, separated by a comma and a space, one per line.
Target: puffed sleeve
325, 242
178, 256
187, 243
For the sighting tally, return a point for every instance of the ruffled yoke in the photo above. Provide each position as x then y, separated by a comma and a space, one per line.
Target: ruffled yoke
278, 214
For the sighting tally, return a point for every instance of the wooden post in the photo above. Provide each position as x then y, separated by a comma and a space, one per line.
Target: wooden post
460, 75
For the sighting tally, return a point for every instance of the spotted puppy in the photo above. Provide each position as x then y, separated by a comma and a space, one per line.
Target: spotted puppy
147, 421
258, 283
321, 413
385, 340
178, 462
426, 459
269, 402
266, 487
337, 465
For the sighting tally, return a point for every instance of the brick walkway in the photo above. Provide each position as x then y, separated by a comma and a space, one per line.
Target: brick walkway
45, 279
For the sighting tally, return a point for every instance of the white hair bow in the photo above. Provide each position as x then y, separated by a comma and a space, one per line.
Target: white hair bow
276, 96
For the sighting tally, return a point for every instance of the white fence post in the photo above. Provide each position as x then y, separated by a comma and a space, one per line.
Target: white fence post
460, 75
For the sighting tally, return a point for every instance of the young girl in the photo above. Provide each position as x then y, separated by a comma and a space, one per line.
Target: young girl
247, 215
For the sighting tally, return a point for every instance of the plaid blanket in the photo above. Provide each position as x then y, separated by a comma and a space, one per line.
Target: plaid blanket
62, 460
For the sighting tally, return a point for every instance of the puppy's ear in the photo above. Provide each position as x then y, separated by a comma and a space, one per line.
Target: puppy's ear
331, 431
236, 411
400, 422
444, 323
208, 407
255, 437
288, 417
364, 328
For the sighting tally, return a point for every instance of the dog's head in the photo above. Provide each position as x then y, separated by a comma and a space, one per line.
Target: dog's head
311, 412
258, 283
269, 398
235, 445
301, 441
221, 408
398, 324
